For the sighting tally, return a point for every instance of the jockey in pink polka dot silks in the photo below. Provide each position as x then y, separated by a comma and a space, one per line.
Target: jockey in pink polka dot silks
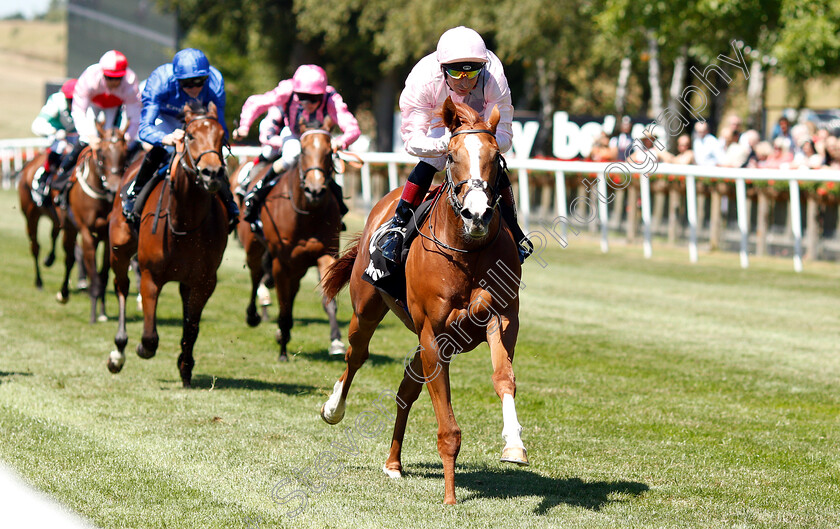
464, 69
305, 97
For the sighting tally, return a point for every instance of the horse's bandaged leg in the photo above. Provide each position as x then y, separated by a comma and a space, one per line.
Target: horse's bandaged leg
514, 451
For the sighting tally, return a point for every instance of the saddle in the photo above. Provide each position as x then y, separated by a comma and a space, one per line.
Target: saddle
160, 174
389, 277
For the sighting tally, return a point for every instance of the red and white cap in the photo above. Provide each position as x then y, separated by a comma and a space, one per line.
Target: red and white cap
113, 64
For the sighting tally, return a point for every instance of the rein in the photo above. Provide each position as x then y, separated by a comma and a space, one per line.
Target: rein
303, 172
86, 187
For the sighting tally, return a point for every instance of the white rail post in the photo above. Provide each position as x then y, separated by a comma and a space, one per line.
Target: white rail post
393, 179
796, 225
644, 186
743, 220
691, 212
603, 211
524, 198
560, 200
367, 199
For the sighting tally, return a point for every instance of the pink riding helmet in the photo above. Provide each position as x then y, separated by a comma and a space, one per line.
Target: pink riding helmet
461, 44
309, 79
113, 63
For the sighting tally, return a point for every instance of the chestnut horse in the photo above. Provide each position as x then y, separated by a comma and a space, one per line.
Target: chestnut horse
182, 237
302, 224
33, 215
97, 177
452, 274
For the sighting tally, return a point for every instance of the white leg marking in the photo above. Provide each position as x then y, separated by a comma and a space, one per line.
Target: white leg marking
512, 429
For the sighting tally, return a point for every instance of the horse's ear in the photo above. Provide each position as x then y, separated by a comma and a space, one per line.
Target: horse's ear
495, 116
450, 115
188, 113
100, 128
212, 111
124, 126
328, 123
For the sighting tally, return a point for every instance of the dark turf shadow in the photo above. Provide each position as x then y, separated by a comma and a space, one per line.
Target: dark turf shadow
223, 383
323, 356
512, 482
4, 374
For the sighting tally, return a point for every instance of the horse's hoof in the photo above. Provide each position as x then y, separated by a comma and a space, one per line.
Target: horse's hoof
48, 262
253, 319
139, 302
102, 318
61, 298
393, 474
283, 358
82, 284
333, 421
337, 348
143, 353
515, 455
116, 361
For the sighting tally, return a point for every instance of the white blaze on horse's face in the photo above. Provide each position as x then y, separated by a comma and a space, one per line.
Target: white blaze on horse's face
476, 204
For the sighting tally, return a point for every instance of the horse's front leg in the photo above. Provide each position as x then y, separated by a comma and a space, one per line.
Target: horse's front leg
121, 252
89, 262
331, 308
69, 243
287, 286
436, 375
501, 335
32, 218
149, 290
410, 388
56, 228
254, 259
103, 280
193, 300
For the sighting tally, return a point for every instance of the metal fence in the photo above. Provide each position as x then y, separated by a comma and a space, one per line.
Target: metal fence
14, 153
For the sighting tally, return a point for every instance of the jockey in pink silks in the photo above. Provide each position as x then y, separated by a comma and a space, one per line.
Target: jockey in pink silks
103, 88
305, 97
464, 69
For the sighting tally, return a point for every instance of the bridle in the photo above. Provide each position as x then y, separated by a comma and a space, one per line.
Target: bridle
192, 167
303, 172
452, 195
474, 183
99, 168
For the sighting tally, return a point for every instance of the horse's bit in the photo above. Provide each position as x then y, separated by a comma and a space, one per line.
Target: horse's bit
194, 161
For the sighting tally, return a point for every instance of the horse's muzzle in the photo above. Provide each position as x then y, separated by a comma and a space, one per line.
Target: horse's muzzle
212, 179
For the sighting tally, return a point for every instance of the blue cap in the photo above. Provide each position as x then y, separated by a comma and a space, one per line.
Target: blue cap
190, 62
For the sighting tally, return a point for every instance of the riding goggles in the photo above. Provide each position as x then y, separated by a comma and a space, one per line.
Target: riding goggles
458, 74
193, 82
309, 98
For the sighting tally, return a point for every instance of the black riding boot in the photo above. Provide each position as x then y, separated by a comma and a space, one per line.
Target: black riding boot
255, 198
40, 186
150, 164
392, 235
230, 205
63, 174
507, 207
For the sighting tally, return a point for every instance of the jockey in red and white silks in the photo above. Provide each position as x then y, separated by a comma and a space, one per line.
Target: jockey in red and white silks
94, 93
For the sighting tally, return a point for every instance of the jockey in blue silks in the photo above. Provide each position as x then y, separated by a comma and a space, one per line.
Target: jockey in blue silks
189, 78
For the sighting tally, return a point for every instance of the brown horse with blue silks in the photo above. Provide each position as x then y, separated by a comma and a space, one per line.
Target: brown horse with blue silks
182, 237
302, 223
462, 279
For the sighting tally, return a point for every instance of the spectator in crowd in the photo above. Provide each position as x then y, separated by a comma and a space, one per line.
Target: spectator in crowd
707, 150
782, 130
602, 151
732, 126
832, 152
807, 157
684, 153
623, 140
781, 156
749, 140
735, 154
763, 151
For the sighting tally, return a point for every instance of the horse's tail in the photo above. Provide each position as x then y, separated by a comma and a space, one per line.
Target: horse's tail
338, 274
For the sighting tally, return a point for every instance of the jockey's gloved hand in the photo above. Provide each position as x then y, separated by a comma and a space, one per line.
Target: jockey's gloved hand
240, 133
337, 144
60, 134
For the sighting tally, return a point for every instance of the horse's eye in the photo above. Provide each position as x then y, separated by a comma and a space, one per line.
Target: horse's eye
449, 158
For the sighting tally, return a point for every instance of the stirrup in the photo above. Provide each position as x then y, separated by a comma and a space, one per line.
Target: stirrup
525, 249
389, 241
